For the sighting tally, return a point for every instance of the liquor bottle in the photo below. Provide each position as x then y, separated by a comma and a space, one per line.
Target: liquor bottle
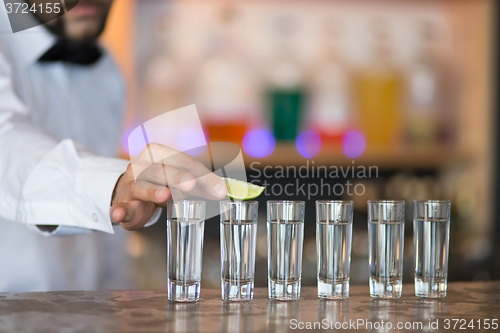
452, 86
425, 90
226, 91
285, 91
378, 90
330, 102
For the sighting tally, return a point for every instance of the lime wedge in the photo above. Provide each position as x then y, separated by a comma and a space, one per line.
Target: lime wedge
238, 190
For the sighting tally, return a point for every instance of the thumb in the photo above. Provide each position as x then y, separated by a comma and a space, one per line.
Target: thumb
121, 212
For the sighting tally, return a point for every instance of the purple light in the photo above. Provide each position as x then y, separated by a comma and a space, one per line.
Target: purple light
258, 143
353, 144
308, 144
191, 142
133, 142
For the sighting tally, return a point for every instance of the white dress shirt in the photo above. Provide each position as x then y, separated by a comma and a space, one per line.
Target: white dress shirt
59, 133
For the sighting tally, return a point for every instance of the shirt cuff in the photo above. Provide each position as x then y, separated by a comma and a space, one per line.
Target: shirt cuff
96, 185
70, 186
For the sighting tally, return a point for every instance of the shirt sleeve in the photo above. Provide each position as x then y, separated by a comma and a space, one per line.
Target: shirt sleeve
47, 181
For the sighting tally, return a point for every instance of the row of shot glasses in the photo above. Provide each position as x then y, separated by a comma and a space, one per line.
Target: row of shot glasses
285, 235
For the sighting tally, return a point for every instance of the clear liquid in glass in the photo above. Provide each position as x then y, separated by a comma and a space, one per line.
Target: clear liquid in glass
431, 242
386, 258
184, 259
285, 242
238, 241
333, 241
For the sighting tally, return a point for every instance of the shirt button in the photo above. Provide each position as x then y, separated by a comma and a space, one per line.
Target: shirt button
94, 217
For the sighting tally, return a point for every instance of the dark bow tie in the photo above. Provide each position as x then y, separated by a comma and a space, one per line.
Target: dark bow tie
65, 52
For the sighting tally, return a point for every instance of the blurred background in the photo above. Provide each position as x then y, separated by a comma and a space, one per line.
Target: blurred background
403, 86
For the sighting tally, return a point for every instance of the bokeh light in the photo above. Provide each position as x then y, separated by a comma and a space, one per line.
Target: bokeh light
353, 144
259, 143
191, 142
133, 142
308, 144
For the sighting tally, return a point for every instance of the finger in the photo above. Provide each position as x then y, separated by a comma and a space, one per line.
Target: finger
179, 195
215, 184
187, 163
208, 184
142, 214
148, 185
166, 175
149, 155
121, 212
148, 192
155, 153
173, 164
182, 180
211, 186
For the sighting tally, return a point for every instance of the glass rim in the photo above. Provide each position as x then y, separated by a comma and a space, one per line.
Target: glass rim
432, 201
187, 201
342, 202
286, 201
386, 201
229, 201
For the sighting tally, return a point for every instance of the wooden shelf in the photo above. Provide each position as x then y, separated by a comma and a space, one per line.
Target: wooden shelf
428, 158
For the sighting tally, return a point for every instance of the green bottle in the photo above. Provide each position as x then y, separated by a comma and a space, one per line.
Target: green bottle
285, 93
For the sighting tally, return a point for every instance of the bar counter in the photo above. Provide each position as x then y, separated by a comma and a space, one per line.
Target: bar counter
150, 311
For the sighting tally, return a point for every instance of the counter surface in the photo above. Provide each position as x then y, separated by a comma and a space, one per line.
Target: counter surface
150, 311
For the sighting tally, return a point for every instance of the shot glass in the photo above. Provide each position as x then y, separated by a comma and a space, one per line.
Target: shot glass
185, 226
386, 242
285, 238
431, 237
333, 243
238, 230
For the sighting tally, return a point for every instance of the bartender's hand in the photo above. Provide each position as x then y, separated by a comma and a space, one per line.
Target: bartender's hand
144, 186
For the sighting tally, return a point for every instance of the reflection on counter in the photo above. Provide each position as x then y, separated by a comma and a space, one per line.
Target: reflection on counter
150, 311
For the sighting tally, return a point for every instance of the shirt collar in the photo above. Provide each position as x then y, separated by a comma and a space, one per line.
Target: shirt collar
30, 44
